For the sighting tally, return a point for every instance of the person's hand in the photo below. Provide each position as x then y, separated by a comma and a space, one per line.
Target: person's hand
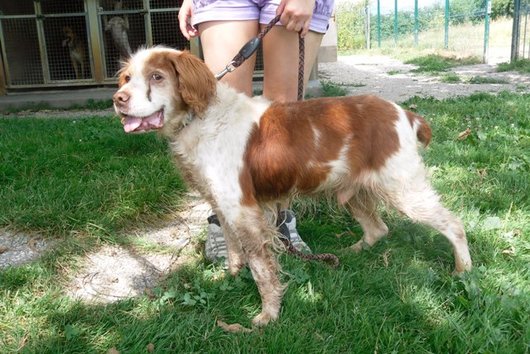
185, 13
296, 14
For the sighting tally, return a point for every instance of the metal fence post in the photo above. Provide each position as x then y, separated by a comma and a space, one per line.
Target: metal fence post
516, 30
416, 23
485, 55
367, 26
395, 21
446, 30
379, 23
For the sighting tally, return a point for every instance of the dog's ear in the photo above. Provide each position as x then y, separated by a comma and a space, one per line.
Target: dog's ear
195, 82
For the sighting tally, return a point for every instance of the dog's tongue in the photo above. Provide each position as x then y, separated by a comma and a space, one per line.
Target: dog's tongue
136, 124
131, 123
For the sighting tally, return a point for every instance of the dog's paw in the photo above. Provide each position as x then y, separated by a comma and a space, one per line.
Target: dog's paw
263, 319
359, 246
235, 267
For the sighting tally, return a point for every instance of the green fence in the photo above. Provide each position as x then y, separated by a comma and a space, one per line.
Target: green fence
461, 26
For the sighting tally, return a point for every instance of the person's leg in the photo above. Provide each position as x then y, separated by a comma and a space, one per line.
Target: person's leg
221, 41
281, 57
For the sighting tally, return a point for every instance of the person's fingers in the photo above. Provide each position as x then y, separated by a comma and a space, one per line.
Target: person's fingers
305, 29
183, 29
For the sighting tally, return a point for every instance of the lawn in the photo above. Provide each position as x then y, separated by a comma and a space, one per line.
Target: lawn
84, 181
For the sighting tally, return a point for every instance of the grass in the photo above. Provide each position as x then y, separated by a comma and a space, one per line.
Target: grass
60, 176
486, 80
453, 78
398, 297
450, 78
522, 66
434, 63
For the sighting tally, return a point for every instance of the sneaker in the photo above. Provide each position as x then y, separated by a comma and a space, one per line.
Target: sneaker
287, 226
215, 247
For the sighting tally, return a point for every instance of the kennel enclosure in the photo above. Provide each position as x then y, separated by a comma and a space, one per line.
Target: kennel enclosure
50, 43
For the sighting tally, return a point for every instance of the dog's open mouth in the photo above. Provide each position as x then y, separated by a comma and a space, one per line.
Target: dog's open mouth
143, 124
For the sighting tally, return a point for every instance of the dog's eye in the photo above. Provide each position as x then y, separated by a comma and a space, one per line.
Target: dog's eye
157, 77
127, 78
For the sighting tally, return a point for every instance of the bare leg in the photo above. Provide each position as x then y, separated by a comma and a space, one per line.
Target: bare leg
363, 208
280, 56
221, 41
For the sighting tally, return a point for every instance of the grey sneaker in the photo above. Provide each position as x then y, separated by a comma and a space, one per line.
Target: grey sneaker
287, 226
215, 247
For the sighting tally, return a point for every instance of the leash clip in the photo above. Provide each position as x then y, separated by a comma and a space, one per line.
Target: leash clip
228, 69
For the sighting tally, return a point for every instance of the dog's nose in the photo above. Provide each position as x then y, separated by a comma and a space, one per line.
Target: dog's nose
120, 98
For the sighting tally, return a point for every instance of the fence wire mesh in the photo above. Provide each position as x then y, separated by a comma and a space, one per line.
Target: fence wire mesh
56, 43
460, 26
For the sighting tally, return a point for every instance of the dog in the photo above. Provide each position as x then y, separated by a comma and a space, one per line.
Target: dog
118, 28
245, 154
76, 49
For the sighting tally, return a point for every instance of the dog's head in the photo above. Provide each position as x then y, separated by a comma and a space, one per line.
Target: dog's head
161, 86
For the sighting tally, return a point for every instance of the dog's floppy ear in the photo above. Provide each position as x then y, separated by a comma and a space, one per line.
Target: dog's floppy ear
195, 82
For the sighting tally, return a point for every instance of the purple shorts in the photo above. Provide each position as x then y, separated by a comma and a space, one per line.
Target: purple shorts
262, 10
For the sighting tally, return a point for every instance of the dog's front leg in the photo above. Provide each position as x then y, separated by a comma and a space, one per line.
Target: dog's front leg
236, 258
250, 229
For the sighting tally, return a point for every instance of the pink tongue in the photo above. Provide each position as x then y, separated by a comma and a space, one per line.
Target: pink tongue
131, 123
153, 121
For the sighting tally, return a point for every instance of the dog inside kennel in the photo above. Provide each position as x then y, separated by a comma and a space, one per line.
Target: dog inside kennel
52, 43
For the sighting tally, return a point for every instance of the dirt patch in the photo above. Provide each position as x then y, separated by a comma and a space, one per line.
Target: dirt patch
393, 80
19, 248
114, 272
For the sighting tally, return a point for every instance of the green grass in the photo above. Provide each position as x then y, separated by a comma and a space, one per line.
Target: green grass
450, 78
487, 80
398, 297
62, 175
522, 66
330, 89
434, 63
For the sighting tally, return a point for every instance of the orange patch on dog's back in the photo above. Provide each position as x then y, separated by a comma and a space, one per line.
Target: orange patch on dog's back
294, 143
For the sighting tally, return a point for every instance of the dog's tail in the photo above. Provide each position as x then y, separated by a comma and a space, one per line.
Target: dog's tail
421, 127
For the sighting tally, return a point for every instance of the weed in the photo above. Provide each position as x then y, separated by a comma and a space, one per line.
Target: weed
450, 78
486, 80
333, 90
434, 63
522, 66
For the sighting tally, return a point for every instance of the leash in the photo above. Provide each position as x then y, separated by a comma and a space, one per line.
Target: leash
244, 53
250, 48
329, 258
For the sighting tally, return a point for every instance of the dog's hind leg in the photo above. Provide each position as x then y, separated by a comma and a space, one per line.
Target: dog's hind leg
363, 208
415, 198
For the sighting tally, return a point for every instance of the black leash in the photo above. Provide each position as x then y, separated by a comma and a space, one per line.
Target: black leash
250, 48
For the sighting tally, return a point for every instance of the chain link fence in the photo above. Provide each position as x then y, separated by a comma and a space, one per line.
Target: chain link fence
463, 27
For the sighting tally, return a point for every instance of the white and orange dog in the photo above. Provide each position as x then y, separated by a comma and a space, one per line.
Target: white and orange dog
245, 154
